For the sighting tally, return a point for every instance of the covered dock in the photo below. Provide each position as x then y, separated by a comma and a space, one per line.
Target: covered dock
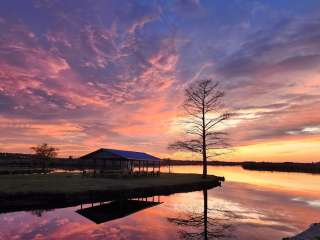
120, 161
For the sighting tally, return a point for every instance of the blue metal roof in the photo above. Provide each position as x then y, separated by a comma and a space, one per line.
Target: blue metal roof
114, 153
133, 155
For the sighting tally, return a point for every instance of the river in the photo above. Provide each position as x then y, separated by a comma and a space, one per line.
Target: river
250, 205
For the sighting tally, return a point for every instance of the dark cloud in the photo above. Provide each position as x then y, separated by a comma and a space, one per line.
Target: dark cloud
7, 103
292, 48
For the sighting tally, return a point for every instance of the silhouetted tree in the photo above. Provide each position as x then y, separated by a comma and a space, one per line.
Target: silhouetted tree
203, 105
45, 153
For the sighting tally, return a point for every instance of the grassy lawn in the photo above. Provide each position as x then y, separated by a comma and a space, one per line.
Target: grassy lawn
75, 183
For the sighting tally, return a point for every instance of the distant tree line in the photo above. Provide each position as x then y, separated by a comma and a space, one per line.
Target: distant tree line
283, 167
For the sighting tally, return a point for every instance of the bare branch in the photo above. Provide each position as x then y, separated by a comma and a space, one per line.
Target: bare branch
191, 145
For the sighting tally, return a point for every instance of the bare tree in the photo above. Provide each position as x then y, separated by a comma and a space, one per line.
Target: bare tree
44, 152
203, 105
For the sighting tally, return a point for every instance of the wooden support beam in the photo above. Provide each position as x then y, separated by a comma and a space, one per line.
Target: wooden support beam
147, 166
95, 167
139, 167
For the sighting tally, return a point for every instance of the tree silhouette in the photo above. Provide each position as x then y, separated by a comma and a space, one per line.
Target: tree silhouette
205, 111
44, 152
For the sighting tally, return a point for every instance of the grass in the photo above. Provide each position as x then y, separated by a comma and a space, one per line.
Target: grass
74, 183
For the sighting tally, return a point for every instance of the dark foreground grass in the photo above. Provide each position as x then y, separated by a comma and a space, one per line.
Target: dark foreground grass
69, 183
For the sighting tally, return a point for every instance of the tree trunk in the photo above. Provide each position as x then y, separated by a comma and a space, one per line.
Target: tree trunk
43, 164
204, 156
204, 144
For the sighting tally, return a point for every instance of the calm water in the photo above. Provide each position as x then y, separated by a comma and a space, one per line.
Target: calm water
249, 205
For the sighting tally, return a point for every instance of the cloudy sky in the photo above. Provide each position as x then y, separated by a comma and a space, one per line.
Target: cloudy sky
82, 75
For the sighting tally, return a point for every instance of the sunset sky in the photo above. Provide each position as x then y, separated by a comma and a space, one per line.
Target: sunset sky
82, 75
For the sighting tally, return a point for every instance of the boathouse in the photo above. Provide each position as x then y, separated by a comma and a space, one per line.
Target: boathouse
119, 161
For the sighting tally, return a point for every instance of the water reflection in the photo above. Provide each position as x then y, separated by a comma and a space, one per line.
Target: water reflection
105, 212
300, 182
238, 210
38, 212
206, 225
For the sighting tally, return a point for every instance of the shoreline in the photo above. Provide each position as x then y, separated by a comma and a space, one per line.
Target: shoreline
125, 188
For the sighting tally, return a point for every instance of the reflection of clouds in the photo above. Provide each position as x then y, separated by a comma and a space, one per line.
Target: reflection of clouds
39, 237
265, 207
249, 210
239, 213
62, 221
66, 224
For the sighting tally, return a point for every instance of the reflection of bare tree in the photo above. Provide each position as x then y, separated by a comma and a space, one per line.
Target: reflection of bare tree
38, 212
202, 225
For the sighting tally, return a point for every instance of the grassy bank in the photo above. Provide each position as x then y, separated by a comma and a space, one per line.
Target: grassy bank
75, 183
15, 170
23, 192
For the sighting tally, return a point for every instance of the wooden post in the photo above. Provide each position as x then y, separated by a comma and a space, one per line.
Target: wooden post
139, 167
94, 170
153, 169
104, 165
142, 167
147, 166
